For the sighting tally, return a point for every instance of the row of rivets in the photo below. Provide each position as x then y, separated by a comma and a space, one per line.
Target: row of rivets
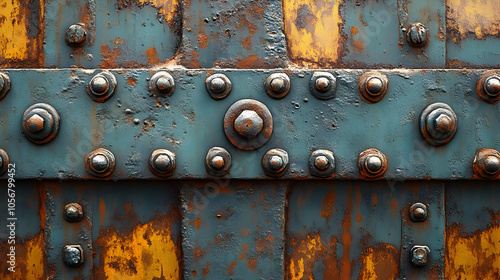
419, 254
73, 254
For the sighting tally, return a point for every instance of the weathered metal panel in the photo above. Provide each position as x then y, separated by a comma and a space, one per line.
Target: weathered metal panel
233, 229
353, 230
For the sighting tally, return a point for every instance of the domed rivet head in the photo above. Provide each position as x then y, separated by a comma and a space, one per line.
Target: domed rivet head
372, 164
420, 255
486, 164
40, 123
4, 85
4, 161
218, 86
275, 162
72, 255
162, 84
373, 86
488, 87
322, 163
248, 124
162, 162
417, 35
323, 85
73, 212
418, 212
218, 161
102, 86
76, 34
100, 163
277, 85
438, 123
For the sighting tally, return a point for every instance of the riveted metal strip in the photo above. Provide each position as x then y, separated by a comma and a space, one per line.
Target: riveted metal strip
132, 123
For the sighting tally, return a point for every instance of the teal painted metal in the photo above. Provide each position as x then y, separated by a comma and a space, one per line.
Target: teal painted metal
190, 122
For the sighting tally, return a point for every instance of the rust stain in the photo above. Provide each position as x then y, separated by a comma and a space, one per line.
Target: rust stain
354, 30
203, 41
358, 46
206, 270
230, 268
194, 63
475, 17
197, 223
475, 255
21, 39
152, 55
131, 81
30, 261
327, 205
380, 262
108, 57
252, 61
252, 264
313, 31
148, 251
345, 261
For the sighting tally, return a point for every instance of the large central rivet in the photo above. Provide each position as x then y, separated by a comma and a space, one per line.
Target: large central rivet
438, 123
162, 84
218, 161
40, 123
277, 85
417, 35
275, 162
162, 162
372, 164
102, 86
248, 124
100, 163
487, 163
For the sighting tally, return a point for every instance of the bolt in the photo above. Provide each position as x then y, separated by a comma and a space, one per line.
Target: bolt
321, 162
418, 212
276, 163
417, 35
217, 162
2, 82
374, 86
278, 85
73, 212
373, 164
162, 162
76, 34
322, 84
99, 85
217, 85
73, 255
420, 255
99, 163
491, 164
35, 123
163, 84
248, 124
443, 123
492, 86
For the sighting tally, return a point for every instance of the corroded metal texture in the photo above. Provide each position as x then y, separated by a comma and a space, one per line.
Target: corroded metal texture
233, 229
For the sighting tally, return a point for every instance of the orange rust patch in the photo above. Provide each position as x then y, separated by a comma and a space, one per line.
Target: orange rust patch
148, 251
358, 46
380, 262
30, 259
21, 39
197, 223
327, 205
270, 238
252, 61
245, 248
206, 270
127, 207
203, 41
475, 255
108, 57
152, 55
230, 268
194, 63
345, 262
252, 264
479, 18
354, 30
131, 81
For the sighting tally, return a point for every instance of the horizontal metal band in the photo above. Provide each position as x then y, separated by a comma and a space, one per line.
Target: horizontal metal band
132, 123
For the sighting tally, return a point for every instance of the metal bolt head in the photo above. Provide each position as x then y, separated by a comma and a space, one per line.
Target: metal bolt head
420, 255
374, 86
372, 164
100, 163
277, 85
163, 84
72, 255
438, 123
486, 163
99, 85
322, 84
491, 164
248, 124
162, 162
76, 34
443, 123
4, 162
102, 86
73, 212
275, 162
492, 86
217, 85
217, 162
321, 162
2, 83
418, 212
417, 35
35, 123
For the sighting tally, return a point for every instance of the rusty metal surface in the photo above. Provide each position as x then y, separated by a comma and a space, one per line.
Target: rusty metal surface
233, 229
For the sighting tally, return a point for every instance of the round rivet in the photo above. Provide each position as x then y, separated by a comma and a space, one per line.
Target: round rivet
73, 212
373, 86
322, 163
162, 84
4, 161
4, 85
72, 255
486, 163
417, 35
102, 86
420, 255
438, 123
162, 162
248, 124
218, 161
488, 87
418, 212
218, 86
277, 85
100, 163
76, 34
323, 85
40, 123
372, 164
275, 162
